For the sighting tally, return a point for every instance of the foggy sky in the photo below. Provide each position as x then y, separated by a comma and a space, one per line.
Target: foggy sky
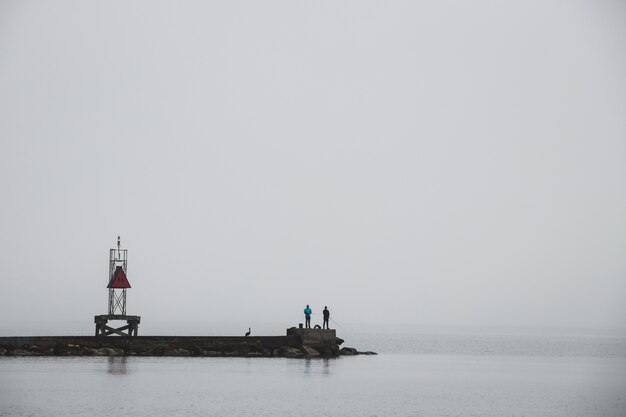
415, 162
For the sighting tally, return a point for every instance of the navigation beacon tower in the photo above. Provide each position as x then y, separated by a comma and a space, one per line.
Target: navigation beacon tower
118, 284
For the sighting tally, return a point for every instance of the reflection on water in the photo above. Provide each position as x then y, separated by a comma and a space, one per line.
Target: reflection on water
317, 366
326, 368
117, 365
384, 385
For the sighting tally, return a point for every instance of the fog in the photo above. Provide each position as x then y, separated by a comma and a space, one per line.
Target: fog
405, 162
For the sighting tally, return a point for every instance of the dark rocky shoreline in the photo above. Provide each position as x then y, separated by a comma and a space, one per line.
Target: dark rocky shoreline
298, 343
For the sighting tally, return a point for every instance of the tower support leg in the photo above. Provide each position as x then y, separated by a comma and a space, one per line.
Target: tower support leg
103, 329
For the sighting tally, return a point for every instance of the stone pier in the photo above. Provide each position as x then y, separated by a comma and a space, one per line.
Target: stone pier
297, 343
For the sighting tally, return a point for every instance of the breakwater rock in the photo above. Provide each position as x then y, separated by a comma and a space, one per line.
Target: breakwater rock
293, 345
348, 351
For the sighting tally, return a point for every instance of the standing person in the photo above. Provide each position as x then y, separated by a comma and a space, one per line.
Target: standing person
326, 318
307, 316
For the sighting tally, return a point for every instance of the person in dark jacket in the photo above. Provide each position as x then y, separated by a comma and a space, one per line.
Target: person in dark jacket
326, 318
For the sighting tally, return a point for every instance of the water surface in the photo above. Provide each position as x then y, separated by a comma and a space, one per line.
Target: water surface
424, 373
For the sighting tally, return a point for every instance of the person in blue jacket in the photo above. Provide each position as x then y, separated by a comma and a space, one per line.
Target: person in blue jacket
307, 316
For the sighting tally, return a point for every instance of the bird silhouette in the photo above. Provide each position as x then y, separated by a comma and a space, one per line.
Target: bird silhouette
247, 333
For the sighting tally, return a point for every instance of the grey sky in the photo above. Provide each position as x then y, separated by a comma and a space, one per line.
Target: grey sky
400, 161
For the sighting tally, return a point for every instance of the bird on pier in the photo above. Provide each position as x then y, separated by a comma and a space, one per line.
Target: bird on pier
247, 333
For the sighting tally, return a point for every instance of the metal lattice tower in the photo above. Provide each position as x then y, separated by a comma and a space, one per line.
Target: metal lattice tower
118, 258
118, 284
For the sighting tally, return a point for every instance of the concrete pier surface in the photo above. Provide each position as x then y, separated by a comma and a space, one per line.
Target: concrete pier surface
297, 343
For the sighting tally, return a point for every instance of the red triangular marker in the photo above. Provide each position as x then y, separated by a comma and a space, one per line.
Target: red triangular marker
119, 279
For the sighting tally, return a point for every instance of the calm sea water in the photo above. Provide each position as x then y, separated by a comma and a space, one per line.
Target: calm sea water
418, 372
